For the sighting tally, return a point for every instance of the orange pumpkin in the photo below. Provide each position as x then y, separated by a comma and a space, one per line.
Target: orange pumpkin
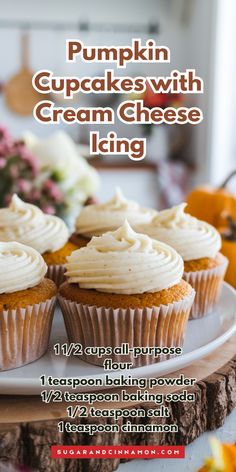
223, 460
228, 248
211, 204
229, 251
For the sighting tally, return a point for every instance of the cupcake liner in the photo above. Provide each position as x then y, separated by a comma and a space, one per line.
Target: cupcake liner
208, 285
24, 334
92, 326
57, 274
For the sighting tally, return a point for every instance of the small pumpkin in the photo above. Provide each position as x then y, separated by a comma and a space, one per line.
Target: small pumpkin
223, 457
210, 204
228, 248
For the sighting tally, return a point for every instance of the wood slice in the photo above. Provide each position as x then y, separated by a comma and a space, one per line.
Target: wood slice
28, 428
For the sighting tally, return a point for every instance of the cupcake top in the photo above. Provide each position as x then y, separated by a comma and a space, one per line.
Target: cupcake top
193, 239
125, 262
22, 267
94, 220
27, 224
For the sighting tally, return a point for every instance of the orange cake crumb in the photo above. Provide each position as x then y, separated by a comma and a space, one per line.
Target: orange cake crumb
40, 293
201, 264
59, 257
112, 300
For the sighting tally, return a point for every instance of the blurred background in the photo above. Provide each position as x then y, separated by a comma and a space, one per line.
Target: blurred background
200, 34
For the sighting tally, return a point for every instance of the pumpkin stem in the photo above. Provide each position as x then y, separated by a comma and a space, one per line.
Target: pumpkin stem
226, 181
230, 234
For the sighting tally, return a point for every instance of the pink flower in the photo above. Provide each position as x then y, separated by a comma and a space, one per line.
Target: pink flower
2, 162
28, 157
53, 190
35, 194
21, 168
6, 142
14, 171
4, 134
24, 185
50, 210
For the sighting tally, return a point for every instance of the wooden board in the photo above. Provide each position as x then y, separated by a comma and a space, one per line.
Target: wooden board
28, 428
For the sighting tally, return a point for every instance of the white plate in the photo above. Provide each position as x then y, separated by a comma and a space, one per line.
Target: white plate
203, 336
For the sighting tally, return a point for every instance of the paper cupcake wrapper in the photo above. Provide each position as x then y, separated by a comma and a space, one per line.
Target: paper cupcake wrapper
208, 285
57, 274
91, 326
24, 334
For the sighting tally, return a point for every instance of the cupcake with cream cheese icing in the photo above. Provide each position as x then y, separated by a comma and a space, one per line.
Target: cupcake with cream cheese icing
124, 287
27, 301
27, 224
96, 219
199, 244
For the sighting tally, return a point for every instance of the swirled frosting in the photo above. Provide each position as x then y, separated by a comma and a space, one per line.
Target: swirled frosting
125, 262
28, 225
22, 267
192, 238
94, 220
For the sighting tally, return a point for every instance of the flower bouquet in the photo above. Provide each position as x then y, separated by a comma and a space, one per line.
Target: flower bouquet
48, 173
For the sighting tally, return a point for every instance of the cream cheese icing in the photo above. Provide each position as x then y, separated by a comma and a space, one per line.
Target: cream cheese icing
94, 220
192, 238
27, 224
125, 262
22, 267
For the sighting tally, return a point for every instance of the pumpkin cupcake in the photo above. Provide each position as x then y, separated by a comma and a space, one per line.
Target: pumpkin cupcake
96, 219
199, 244
27, 224
124, 287
27, 301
